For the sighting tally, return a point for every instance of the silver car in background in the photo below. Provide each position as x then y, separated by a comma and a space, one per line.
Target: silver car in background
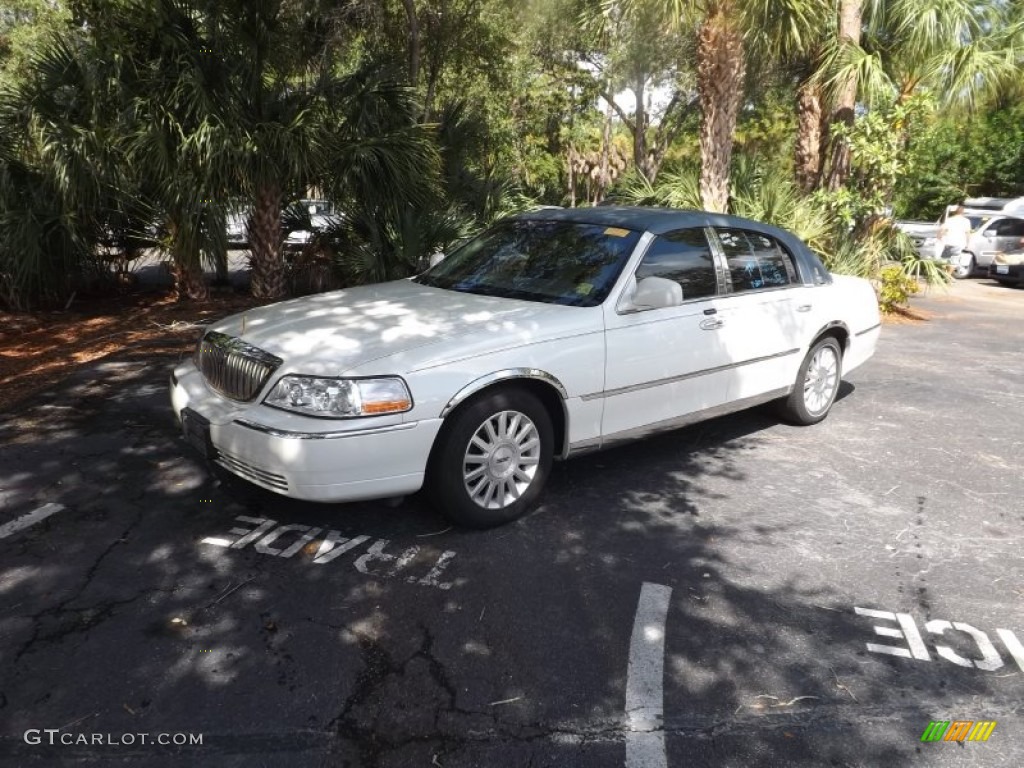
990, 236
923, 234
992, 233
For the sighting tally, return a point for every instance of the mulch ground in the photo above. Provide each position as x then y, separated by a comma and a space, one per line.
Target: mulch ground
40, 349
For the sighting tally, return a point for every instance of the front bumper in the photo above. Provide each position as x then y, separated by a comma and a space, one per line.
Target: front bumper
302, 457
1014, 272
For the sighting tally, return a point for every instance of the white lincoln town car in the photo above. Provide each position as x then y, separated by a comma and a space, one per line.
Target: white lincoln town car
551, 334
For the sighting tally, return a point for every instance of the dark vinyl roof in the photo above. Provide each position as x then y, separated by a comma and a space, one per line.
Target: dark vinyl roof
655, 220
661, 220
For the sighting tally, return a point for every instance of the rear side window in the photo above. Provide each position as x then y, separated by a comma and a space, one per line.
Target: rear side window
756, 261
1007, 228
685, 257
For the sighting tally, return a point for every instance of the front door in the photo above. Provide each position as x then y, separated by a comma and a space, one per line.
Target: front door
664, 363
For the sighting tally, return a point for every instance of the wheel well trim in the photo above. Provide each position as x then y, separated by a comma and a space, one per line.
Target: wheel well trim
508, 374
834, 325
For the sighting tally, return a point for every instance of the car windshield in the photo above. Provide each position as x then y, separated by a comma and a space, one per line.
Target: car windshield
556, 262
977, 221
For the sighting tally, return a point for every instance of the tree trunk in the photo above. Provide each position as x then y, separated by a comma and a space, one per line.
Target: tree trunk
185, 267
414, 40
850, 15
604, 177
720, 72
189, 283
570, 165
268, 277
640, 132
808, 136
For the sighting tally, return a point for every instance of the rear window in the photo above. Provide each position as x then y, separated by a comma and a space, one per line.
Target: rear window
756, 261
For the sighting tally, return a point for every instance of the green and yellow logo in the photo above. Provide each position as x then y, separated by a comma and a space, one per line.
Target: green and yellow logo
958, 730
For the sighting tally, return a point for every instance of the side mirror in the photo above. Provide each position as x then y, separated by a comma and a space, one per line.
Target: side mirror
654, 293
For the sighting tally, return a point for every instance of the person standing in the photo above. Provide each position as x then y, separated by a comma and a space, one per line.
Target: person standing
953, 236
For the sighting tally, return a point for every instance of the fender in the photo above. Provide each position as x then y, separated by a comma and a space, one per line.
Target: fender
505, 375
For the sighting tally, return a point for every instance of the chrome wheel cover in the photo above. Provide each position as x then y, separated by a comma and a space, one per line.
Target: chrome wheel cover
501, 460
821, 380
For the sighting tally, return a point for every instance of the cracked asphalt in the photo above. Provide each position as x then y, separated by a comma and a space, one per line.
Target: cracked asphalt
388, 638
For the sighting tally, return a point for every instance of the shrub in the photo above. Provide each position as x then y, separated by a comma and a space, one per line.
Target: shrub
895, 288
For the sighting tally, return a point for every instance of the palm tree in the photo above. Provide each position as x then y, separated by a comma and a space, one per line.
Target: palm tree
299, 124
845, 90
59, 166
724, 30
277, 107
180, 132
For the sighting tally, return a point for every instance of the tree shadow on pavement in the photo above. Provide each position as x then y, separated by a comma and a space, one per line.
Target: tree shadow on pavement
119, 616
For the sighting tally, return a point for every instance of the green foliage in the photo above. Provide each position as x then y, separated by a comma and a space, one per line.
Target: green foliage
25, 26
896, 288
41, 248
116, 115
878, 159
954, 156
677, 187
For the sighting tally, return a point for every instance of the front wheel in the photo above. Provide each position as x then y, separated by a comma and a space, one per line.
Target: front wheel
962, 269
492, 459
817, 383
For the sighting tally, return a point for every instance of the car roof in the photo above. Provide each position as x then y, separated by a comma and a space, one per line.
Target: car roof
650, 219
661, 220
990, 214
1001, 204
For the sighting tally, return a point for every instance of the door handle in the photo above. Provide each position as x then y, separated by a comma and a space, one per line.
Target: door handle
712, 324
804, 308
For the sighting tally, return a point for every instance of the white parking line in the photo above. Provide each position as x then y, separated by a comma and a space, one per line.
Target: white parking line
645, 736
30, 518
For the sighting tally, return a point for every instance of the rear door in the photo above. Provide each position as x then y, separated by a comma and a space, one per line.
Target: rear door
766, 314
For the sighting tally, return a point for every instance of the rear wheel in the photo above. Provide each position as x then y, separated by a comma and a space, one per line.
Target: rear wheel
817, 383
492, 459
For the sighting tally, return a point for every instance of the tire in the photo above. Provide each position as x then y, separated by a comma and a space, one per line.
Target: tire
492, 459
961, 272
817, 383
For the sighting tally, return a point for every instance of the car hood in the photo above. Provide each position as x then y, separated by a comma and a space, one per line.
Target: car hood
1013, 257
330, 333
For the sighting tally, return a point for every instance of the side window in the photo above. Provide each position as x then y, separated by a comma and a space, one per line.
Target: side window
1010, 228
755, 260
683, 256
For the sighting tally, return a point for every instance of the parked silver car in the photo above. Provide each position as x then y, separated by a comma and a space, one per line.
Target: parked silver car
236, 224
990, 235
314, 215
923, 234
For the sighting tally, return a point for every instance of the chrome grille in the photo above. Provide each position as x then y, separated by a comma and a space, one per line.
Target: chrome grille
232, 367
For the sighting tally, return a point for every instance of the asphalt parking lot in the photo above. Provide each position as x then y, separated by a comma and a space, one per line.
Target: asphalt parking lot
740, 592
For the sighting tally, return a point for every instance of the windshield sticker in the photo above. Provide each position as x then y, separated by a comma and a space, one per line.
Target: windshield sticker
584, 288
616, 232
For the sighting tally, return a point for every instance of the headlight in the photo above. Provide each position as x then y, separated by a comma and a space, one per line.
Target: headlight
340, 398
